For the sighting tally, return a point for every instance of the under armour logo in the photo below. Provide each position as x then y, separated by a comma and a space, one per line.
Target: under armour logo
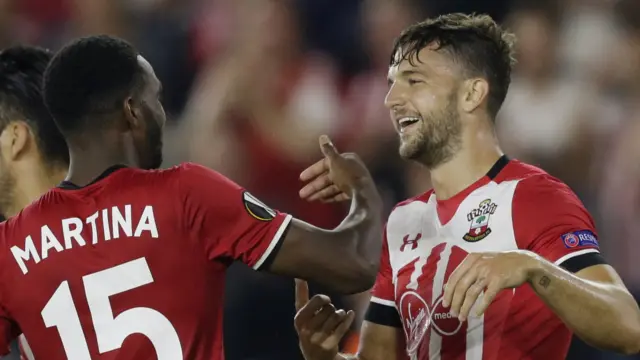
413, 242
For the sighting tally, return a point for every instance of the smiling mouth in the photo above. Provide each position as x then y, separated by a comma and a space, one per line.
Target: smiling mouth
407, 122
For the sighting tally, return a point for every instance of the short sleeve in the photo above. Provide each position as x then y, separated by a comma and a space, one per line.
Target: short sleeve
228, 221
9, 331
382, 307
550, 220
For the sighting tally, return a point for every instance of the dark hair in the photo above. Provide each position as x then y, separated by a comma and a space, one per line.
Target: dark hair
89, 77
475, 41
21, 72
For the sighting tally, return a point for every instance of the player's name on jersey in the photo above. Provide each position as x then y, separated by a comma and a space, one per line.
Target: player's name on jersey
103, 225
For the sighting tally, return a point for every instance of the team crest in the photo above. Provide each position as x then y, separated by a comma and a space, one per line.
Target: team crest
257, 208
479, 219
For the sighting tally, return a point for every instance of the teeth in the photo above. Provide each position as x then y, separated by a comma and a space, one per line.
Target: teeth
407, 121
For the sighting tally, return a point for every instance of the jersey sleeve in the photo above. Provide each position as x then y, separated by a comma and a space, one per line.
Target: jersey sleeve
550, 220
382, 306
229, 221
9, 331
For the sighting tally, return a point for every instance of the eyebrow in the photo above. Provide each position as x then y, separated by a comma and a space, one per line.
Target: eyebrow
405, 73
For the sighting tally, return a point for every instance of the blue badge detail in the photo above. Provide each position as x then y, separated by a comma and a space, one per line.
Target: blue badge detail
579, 238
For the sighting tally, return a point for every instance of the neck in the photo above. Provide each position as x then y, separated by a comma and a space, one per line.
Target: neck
33, 183
479, 152
88, 161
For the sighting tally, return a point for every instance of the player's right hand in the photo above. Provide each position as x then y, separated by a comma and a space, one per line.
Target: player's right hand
335, 177
319, 325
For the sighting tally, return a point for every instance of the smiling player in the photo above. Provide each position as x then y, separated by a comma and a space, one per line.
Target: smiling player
499, 260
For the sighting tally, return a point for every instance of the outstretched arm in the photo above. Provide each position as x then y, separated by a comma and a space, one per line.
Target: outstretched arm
594, 303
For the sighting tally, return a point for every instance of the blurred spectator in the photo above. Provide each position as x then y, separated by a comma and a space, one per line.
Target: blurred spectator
547, 117
257, 118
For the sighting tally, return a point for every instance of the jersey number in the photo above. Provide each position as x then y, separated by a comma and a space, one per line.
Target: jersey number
111, 331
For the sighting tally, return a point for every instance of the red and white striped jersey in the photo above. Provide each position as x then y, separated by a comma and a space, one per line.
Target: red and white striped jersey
516, 206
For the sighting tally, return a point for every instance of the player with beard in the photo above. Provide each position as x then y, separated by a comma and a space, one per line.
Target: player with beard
33, 154
123, 262
499, 260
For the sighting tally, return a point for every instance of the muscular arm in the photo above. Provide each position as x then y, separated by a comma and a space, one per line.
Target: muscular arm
345, 259
377, 342
594, 303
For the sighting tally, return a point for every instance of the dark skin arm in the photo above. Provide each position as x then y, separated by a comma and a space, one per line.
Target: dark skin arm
344, 259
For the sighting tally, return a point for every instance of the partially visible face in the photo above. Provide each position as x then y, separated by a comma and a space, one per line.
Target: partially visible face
422, 99
148, 136
7, 177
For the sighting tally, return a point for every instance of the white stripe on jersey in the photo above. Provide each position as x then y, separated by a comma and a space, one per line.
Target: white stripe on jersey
435, 343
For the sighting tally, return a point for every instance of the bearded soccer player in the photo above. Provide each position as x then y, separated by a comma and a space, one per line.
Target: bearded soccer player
499, 260
118, 262
33, 154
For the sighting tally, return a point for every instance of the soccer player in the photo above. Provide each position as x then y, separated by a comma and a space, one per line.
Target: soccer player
499, 260
33, 154
120, 262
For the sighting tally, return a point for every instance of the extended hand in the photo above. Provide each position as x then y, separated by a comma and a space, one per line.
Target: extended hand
335, 176
488, 272
319, 325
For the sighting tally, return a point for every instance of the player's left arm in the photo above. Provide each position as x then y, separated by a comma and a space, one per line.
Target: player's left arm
562, 263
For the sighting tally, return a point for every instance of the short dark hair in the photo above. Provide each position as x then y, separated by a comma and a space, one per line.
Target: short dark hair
90, 77
475, 41
21, 72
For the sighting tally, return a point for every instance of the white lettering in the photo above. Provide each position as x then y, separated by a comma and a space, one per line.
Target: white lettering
73, 230
27, 254
105, 224
147, 223
94, 229
75, 233
121, 222
49, 241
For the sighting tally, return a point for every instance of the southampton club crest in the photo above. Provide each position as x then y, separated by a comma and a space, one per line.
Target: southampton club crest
479, 219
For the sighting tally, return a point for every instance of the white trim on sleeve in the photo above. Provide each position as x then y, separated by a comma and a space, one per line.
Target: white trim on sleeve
384, 302
276, 239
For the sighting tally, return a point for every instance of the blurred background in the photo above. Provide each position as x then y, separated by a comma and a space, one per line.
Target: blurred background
250, 84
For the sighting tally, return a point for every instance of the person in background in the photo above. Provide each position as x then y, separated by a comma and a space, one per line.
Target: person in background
33, 154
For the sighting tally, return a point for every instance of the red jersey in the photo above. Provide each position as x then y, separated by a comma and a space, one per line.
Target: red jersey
516, 206
130, 266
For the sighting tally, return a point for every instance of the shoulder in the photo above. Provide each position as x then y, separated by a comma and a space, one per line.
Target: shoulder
535, 188
404, 211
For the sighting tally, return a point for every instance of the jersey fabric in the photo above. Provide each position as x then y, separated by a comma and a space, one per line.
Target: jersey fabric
516, 206
130, 266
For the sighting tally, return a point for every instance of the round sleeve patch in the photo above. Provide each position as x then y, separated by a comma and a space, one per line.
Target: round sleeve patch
256, 208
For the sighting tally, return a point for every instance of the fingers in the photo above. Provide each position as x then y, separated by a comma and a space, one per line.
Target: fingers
318, 184
492, 291
302, 294
308, 311
470, 298
315, 170
327, 147
326, 193
333, 340
455, 277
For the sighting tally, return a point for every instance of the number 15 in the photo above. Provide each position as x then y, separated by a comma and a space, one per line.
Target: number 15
111, 331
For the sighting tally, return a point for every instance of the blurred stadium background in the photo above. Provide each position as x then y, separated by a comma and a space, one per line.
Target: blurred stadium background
250, 84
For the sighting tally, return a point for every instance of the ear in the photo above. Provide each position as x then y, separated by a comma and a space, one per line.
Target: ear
15, 140
475, 92
132, 114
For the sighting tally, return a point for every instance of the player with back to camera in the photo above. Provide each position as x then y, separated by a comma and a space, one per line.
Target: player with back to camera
455, 258
33, 154
118, 262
